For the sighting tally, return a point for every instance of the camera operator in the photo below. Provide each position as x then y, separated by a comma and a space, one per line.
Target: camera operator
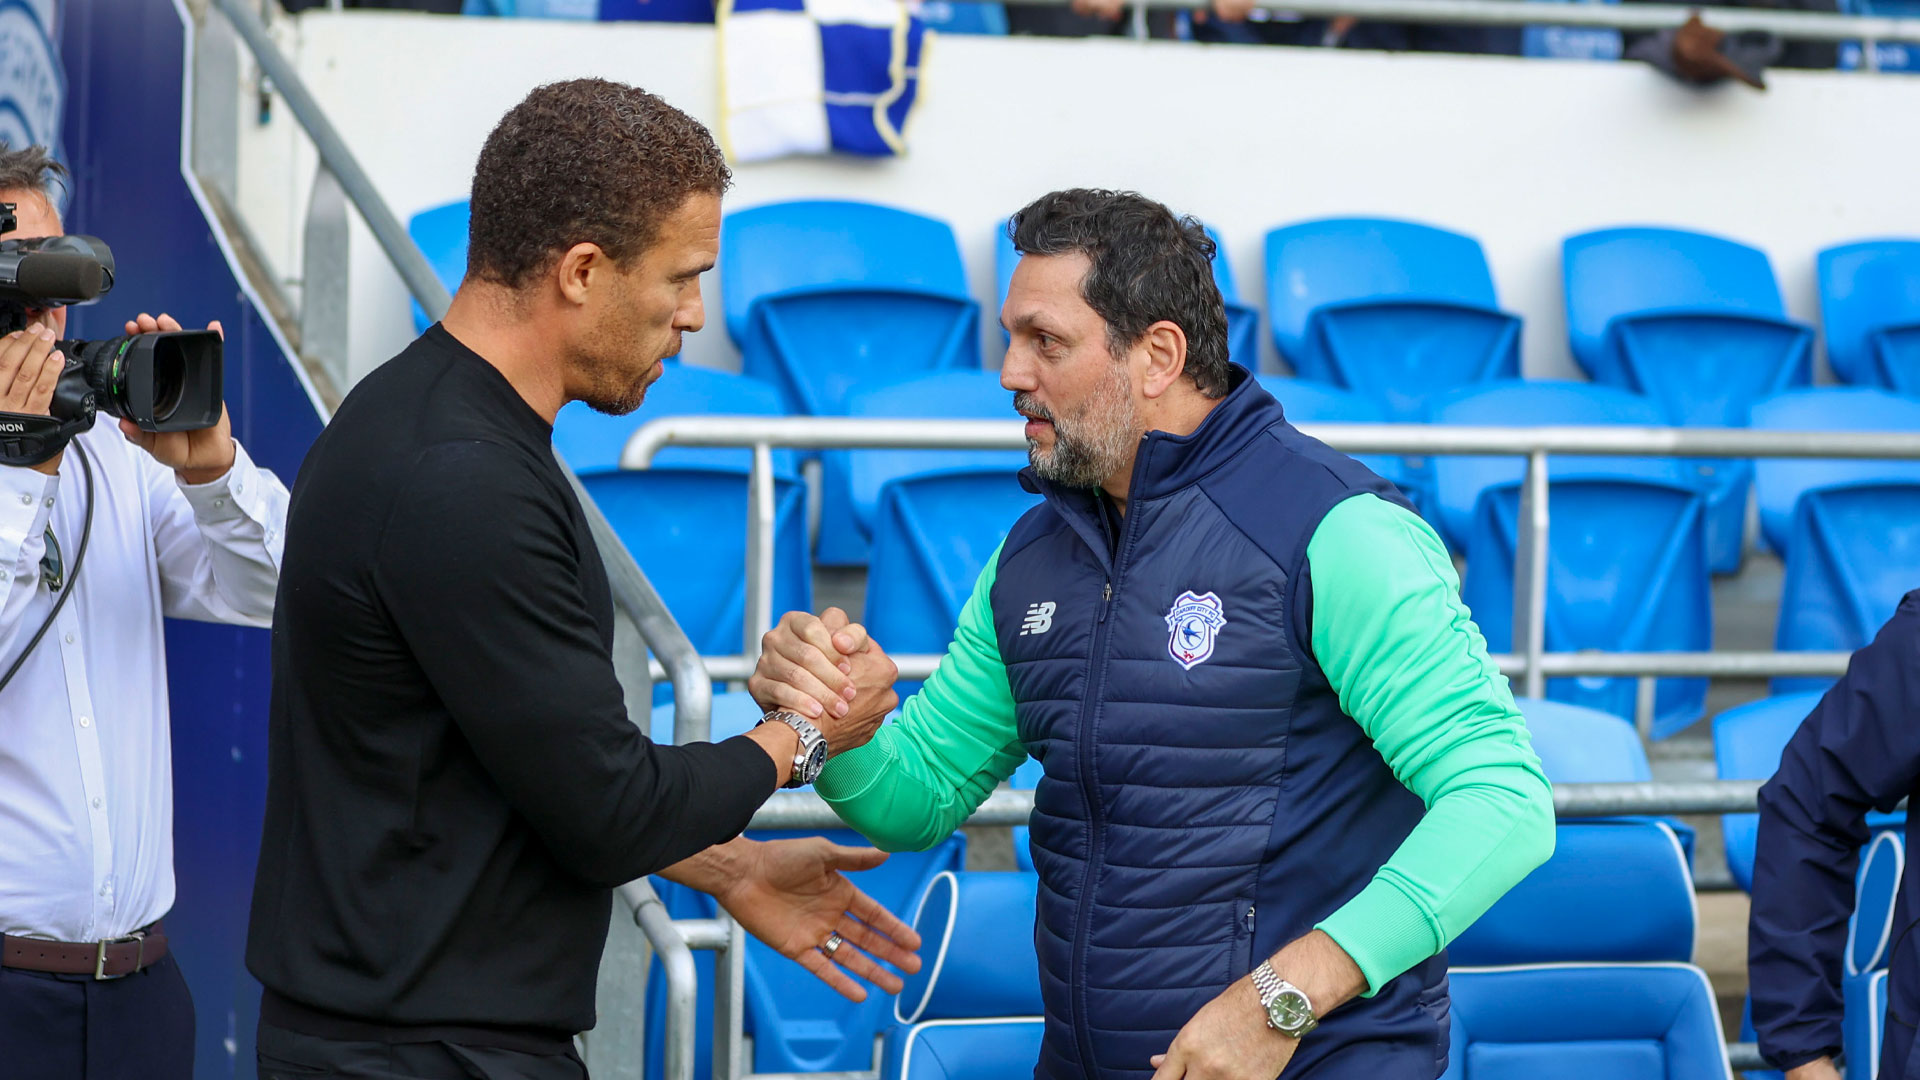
176, 523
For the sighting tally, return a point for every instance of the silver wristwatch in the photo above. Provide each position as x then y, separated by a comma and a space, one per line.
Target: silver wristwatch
1288, 1010
813, 747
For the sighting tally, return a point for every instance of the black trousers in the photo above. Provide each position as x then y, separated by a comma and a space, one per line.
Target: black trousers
292, 1055
73, 1027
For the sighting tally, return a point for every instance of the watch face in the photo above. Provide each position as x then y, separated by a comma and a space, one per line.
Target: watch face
1290, 1011
817, 758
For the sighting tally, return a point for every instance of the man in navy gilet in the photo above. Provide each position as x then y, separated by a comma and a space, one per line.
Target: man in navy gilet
1281, 772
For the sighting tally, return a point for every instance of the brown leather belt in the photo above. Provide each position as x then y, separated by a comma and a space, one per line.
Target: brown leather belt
101, 959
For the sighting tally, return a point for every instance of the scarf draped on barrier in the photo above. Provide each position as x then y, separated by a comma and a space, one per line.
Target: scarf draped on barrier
813, 76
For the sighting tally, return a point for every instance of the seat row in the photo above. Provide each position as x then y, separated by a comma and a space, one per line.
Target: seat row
828, 299
1609, 919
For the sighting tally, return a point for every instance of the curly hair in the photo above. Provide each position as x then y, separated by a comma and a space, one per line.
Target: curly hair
583, 161
1147, 265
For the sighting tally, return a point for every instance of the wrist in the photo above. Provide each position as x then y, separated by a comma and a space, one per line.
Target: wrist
782, 744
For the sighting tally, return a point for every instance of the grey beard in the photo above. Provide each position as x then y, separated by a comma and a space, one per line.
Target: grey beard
1095, 447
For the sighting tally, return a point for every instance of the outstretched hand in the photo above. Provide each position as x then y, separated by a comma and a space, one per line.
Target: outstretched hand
794, 895
200, 457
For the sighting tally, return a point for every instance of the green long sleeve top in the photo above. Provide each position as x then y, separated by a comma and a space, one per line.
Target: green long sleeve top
1409, 666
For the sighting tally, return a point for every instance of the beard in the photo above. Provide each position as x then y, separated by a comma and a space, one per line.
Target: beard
607, 366
1095, 443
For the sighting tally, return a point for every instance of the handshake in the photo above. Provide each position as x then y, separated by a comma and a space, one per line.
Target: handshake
828, 670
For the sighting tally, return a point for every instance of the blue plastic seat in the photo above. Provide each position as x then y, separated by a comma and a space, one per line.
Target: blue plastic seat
1459, 480
798, 1023
948, 395
1578, 745
1399, 311
441, 235
1243, 321
1870, 309
1643, 588
687, 528
973, 1010
826, 299
1582, 969
1780, 482
1025, 778
933, 536
592, 441
1696, 323
1854, 552
679, 11
1308, 402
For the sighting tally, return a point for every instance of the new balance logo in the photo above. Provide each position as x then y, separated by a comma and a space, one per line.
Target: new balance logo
1039, 619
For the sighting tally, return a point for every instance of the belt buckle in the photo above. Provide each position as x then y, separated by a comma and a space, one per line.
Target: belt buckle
139, 937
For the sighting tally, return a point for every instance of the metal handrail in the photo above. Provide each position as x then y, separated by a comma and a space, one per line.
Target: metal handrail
635, 595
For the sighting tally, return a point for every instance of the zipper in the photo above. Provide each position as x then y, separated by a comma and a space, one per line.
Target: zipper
1089, 787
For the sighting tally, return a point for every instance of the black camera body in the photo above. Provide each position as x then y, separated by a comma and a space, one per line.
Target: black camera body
167, 381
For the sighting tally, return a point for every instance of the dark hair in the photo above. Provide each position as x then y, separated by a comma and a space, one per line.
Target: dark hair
31, 169
583, 161
1148, 265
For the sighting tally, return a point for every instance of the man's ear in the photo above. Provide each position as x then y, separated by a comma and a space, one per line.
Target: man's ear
1164, 346
576, 269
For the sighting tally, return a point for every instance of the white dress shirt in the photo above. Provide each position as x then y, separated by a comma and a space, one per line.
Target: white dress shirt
86, 769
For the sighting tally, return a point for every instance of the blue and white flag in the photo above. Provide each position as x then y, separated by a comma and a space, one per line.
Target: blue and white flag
813, 76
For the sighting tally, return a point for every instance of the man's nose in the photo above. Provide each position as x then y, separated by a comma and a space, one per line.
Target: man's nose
692, 314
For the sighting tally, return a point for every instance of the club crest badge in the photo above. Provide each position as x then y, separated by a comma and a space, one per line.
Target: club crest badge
1192, 624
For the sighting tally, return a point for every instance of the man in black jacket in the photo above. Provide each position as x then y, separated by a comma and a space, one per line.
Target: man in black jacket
1858, 750
455, 787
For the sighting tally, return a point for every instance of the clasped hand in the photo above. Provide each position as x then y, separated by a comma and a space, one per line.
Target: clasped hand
828, 670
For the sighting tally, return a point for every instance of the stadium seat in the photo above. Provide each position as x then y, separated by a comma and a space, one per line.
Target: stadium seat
973, 1010
1643, 589
960, 17
1694, 322
441, 235
687, 528
827, 298
1747, 743
1863, 1027
1582, 969
1460, 480
583, 10
948, 395
1578, 745
1307, 402
592, 441
797, 1023
934, 534
1396, 310
1243, 321
1854, 552
1779, 482
680, 11
1870, 310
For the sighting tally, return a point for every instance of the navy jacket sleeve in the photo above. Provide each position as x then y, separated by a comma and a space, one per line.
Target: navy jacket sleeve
1858, 750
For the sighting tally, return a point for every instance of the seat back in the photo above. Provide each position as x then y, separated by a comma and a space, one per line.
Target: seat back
972, 1012
1594, 981
1779, 482
1571, 42
1747, 741
1308, 402
592, 441
948, 395
933, 535
687, 528
1025, 778
1876, 892
1394, 309
1460, 480
440, 233
825, 298
1854, 552
1870, 310
1626, 572
1612, 273
1578, 745
961, 17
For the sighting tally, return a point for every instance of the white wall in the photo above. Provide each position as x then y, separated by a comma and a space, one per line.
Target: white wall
1518, 153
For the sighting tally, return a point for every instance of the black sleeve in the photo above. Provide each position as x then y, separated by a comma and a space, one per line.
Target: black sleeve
479, 575
1858, 750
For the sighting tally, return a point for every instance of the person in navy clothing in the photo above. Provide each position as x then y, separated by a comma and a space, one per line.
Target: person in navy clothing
1859, 750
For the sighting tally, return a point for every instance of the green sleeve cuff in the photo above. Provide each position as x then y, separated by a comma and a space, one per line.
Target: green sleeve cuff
855, 772
1384, 930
